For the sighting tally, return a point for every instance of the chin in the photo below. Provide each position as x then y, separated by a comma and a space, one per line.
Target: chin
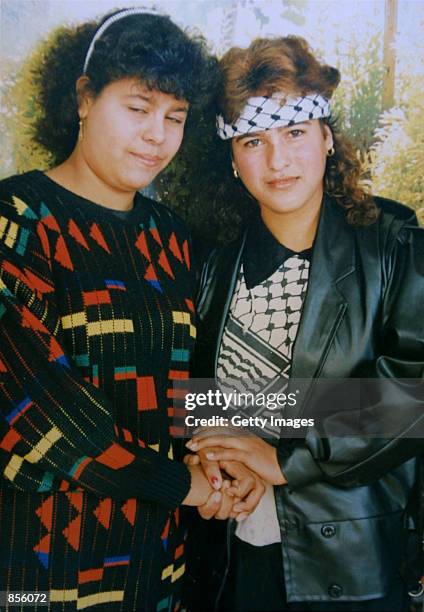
138, 183
284, 208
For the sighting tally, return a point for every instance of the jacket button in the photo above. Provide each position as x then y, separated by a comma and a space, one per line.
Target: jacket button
328, 531
335, 590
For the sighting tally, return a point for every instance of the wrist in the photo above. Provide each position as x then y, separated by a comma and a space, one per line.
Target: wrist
200, 489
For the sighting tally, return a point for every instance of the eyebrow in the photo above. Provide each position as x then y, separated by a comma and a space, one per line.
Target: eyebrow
256, 134
179, 109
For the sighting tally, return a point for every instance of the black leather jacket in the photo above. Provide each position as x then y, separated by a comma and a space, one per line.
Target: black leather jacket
345, 512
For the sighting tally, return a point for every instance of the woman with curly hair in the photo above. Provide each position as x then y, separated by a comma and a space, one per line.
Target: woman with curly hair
324, 282
96, 321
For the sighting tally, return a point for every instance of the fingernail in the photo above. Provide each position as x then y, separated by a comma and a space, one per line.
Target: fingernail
193, 446
215, 482
216, 497
208, 455
241, 517
237, 508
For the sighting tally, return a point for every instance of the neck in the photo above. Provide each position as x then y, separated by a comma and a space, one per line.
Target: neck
296, 230
76, 176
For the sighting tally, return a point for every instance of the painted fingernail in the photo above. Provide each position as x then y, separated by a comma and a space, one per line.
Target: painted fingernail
216, 497
208, 455
193, 446
215, 482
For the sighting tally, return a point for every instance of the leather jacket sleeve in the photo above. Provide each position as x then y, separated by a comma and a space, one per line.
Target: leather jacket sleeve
354, 460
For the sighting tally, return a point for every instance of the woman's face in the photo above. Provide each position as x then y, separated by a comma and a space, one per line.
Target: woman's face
283, 168
130, 133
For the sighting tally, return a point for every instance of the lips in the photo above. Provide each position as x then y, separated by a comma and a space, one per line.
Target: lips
148, 160
283, 182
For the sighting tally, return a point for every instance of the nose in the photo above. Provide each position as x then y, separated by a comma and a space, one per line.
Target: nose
153, 130
278, 155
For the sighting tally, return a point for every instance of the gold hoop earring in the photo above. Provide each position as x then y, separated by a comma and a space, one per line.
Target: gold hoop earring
81, 130
330, 152
236, 174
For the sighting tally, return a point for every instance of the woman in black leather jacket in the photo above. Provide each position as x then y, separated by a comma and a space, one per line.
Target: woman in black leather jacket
326, 282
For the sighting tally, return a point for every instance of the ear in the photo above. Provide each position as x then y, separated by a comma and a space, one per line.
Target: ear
233, 163
85, 97
328, 136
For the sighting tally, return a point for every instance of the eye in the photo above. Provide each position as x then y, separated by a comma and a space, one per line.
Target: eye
138, 109
296, 132
251, 144
176, 120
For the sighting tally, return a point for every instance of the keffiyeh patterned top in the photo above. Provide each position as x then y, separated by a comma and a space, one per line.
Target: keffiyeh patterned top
257, 343
96, 320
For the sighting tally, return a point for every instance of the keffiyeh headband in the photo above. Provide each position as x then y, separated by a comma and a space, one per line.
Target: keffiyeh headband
265, 113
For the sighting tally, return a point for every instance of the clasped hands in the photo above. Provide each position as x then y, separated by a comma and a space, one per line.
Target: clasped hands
236, 468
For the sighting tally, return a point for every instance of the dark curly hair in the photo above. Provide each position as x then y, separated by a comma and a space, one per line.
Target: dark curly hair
150, 48
223, 204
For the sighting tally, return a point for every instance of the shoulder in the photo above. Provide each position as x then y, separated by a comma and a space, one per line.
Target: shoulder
19, 182
21, 194
165, 216
397, 224
390, 211
401, 237
220, 259
394, 225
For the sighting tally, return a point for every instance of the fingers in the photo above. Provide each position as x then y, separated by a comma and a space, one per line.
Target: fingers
211, 469
226, 503
221, 454
234, 514
249, 503
191, 459
242, 479
219, 504
208, 510
247, 486
197, 443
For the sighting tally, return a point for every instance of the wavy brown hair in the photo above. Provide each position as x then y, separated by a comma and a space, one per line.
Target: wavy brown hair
200, 184
288, 65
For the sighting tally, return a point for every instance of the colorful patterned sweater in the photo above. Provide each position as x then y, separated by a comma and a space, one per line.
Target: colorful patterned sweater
96, 321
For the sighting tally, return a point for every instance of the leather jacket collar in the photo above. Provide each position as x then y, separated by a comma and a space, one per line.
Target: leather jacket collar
263, 254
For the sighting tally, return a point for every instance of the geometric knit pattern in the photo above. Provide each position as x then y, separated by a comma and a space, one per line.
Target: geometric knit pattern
96, 322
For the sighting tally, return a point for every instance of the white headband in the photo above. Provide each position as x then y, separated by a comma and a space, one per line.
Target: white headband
264, 113
109, 22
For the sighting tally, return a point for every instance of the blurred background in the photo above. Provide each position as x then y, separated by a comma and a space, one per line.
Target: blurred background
378, 45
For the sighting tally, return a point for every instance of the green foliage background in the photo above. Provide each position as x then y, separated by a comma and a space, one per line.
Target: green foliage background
390, 144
